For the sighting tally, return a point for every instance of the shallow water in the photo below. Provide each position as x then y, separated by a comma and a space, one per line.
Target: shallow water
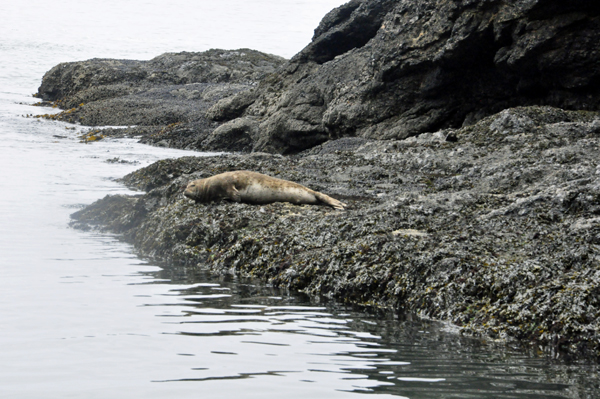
83, 317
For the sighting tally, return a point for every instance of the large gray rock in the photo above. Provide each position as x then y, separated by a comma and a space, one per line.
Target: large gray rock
385, 69
166, 97
72, 83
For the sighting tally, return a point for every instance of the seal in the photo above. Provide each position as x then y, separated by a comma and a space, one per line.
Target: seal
255, 188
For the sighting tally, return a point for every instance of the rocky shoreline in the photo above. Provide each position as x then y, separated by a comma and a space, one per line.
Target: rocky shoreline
464, 136
493, 227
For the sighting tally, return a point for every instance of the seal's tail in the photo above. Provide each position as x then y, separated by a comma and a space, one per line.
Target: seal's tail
330, 201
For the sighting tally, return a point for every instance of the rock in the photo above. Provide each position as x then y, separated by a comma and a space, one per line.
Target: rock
231, 107
83, 79
86, 79
390, 70
495, 231
165, 99
236, 135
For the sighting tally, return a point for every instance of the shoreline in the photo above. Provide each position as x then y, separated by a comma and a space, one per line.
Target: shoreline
463, 136
489, 231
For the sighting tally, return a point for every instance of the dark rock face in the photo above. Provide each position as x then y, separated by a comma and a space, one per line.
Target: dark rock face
166, 97
493, 227
383, 69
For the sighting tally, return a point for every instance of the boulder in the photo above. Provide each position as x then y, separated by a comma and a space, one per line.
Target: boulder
164, 100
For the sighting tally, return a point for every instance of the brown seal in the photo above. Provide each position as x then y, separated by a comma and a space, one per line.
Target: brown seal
255, 188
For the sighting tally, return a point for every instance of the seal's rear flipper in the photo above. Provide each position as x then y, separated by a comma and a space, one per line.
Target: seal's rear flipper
330, 201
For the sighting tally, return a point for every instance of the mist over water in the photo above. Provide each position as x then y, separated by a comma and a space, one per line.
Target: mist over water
83, 317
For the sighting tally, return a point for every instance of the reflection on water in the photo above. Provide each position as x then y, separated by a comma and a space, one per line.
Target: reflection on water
239, 330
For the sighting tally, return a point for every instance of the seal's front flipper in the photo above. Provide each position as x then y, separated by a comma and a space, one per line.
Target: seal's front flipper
234, 194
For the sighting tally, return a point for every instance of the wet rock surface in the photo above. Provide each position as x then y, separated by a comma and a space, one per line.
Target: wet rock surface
493, 227
163, 101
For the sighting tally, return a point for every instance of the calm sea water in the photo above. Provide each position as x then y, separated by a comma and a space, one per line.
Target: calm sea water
82, 317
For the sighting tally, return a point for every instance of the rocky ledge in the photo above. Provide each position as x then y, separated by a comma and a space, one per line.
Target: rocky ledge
494, 228
164, 101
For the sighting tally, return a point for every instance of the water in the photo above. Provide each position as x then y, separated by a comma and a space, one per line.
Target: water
83, 317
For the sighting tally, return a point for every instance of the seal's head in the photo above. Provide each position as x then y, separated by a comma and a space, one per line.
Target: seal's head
193, 190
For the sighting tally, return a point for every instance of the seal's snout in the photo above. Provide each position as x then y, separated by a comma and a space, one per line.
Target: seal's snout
188, 193
190, 190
